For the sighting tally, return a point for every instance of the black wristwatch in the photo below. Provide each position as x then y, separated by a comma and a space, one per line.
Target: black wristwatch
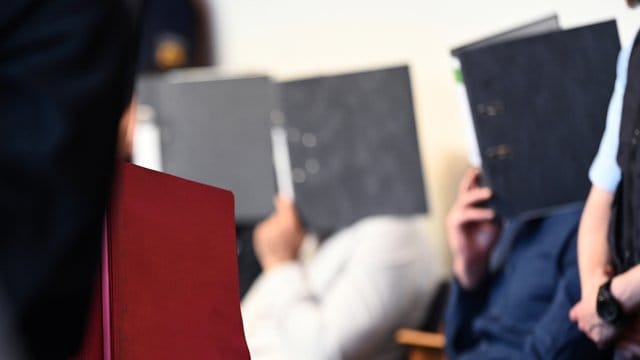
609, 309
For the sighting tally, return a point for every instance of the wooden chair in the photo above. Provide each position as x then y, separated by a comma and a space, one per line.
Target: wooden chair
422, 345
427, 343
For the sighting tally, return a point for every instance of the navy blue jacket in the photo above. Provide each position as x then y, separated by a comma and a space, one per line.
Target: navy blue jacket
522, 311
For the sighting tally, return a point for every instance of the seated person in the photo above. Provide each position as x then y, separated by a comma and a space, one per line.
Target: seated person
346, 302
514, 283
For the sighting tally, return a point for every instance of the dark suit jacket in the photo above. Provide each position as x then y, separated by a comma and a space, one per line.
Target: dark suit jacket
522, 312
66, 73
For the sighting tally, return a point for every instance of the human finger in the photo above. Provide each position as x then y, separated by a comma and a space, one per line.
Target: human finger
474, 196
469, 180
573, 313
471, 214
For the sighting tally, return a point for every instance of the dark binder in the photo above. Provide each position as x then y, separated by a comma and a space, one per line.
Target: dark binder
539, 107
538, 27
169, 287
353, 147
217, 131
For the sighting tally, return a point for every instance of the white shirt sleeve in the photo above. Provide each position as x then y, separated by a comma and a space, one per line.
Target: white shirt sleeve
373, 291
604, 171
270, 295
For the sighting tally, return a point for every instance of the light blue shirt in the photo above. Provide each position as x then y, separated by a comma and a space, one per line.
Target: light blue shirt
605, 172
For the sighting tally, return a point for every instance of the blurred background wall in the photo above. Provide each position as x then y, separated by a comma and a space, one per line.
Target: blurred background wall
297, 38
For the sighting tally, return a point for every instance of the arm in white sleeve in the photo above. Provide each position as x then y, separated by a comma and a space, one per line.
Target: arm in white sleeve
363, 304
604, 171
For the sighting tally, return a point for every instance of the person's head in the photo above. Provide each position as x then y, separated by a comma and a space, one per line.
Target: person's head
633, 3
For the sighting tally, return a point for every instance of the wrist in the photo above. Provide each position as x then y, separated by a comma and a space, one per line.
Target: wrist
599, 274
591, 282
269, 263
469, 273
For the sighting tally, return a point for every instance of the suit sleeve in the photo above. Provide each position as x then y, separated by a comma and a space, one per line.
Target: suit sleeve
555, 336
462, 308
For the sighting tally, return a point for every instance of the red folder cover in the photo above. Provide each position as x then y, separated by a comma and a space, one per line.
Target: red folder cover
172, 272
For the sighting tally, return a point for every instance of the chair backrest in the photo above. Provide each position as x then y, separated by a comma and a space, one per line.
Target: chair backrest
433, 317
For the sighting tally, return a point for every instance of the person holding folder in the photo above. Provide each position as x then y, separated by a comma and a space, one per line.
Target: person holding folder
347, 300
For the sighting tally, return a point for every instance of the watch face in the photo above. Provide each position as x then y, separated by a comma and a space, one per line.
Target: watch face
607, 307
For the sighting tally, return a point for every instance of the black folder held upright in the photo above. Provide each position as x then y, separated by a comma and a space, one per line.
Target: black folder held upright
539, 108
353, 147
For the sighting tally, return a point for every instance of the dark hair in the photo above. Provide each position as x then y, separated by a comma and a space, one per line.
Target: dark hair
633, 3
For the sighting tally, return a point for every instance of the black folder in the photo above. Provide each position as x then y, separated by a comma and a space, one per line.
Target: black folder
353, 147
538, 27
217, 131
539, 108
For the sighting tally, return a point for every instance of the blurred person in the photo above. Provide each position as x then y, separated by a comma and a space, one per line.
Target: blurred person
608, 243
174, 34
514, 282
346, 302
66, 71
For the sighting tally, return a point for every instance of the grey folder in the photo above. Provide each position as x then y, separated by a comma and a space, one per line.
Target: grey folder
217, 132
353, 147
539, 107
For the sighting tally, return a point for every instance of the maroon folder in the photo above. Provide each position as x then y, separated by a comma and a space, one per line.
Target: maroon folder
171, 273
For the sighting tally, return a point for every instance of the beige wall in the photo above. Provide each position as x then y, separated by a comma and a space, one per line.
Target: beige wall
295, 38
